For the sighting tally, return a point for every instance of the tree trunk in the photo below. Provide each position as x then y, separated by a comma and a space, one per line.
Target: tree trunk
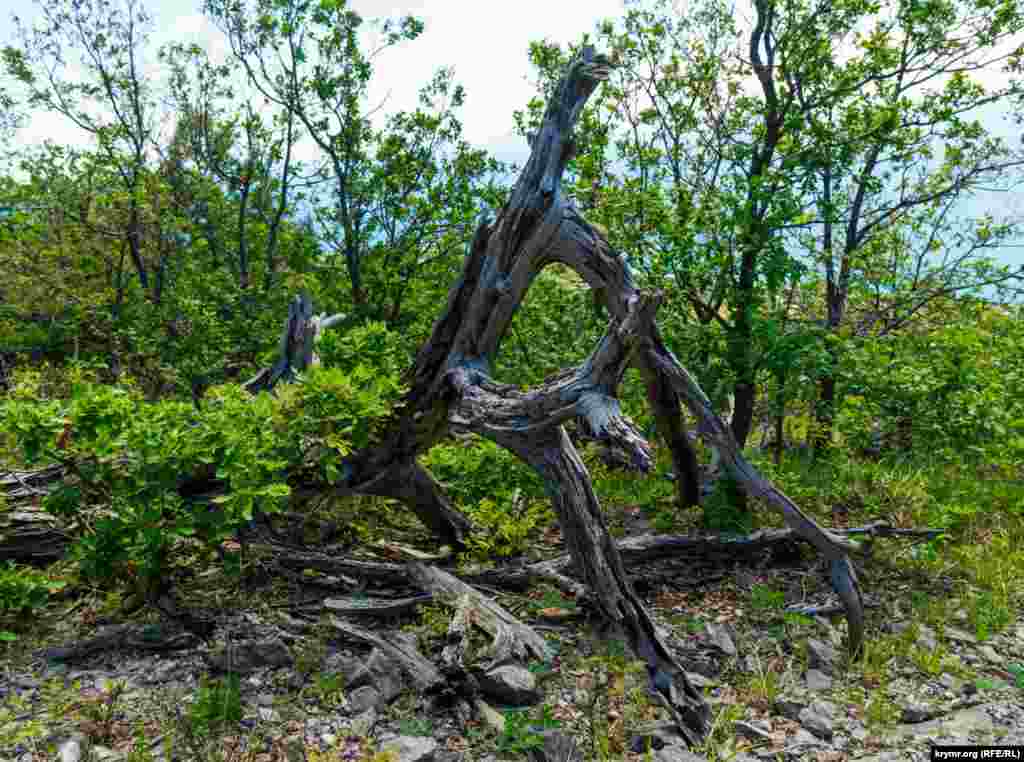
667, 413
824, 413
451, 391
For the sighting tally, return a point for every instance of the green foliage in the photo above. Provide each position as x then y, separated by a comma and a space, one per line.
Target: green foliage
521, 733
329, 689
23, 590
483, 470
502, 529
766, 598
501, 495
371, 345
724, 510
990, 614
130, 456
216, 703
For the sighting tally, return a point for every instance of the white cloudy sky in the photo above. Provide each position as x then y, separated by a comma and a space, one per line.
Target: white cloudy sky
485, 41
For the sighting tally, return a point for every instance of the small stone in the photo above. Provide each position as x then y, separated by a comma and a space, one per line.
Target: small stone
510, 684
363, 698
265, 699
818, 680
915, 712
411, 748
720, 638
817, 724
267, 715
821, 656
70, 750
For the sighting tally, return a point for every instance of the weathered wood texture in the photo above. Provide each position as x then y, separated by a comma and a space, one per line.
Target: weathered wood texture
451, 389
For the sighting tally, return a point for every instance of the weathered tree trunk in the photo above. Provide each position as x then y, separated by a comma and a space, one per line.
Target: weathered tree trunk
451, 391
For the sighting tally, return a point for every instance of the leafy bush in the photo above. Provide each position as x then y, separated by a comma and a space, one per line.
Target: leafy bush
486, 482
22, 590
217, 702
129, 458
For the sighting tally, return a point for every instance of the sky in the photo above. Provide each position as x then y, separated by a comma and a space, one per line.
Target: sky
485, 42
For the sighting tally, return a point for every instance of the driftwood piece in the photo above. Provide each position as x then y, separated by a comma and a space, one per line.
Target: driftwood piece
420, 670
451, 390
29, 534
297, 351
379, 607
512, 638
149, 637
31, 537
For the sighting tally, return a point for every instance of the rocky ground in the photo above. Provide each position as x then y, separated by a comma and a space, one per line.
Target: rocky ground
779, 682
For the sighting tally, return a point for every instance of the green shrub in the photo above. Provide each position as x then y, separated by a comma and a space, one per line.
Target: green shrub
22, 590
128, 458
217, 703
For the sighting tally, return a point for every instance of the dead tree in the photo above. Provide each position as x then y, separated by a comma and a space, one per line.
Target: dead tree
451, 391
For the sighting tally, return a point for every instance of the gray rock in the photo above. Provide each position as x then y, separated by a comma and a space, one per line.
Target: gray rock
412, 748
510, 684
677, 754
803, 738
558, 746
789, 708
955, 633
721, 638
265, 699
450, 756
72, 748
818, 680
821, 656
363, 698
897, 628
378, 670
820, 725
915, 712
